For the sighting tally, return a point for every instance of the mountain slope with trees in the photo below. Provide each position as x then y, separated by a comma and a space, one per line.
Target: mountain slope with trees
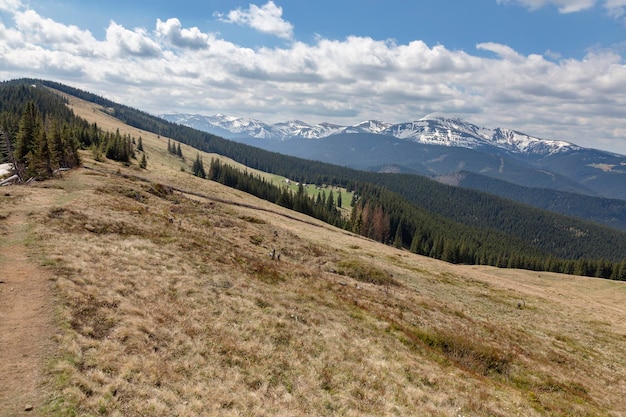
609, 212
417, 213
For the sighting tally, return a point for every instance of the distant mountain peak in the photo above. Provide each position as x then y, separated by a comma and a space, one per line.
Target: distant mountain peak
432, 129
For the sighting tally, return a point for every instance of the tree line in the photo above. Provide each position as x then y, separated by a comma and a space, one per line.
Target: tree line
322, 207
384, 216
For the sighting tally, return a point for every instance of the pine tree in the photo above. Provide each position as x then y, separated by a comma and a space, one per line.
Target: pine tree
397, 241
57, 147
179, 152
71, 145
198, 167
330, 201
30, 127
416, 243
140, 145
143, 164
40, 164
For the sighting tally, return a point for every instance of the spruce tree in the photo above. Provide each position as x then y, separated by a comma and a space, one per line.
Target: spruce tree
179, 152
198, 167
30, 127
40, 164
397, 241
330, 202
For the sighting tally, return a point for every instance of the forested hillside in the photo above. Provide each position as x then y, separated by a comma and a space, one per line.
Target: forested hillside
40, 135
606, 211
457, 225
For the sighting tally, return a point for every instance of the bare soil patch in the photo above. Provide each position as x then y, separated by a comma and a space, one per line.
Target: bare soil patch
26, 311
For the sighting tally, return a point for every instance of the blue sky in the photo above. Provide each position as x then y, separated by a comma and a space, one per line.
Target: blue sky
550, 68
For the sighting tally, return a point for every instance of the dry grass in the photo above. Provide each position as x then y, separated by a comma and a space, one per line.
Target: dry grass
168, 304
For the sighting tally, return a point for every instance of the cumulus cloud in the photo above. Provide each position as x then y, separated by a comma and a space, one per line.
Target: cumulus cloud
267, 19
132, 42
504, 51
52, 34
10, 5
172, 68
175, 34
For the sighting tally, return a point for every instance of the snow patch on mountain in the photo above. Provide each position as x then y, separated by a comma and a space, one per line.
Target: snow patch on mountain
433, 129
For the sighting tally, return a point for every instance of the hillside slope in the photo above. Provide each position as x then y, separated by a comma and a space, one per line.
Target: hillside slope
168, 304
538, 236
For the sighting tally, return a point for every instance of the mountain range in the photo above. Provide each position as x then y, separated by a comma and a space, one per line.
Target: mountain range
434, 146
430, 130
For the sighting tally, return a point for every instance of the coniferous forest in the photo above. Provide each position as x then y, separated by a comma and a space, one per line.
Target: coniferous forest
418, 214
40, 135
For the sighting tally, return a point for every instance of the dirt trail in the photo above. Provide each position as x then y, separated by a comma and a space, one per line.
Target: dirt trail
26, 319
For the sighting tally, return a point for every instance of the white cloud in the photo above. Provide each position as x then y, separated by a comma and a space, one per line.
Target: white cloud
504, 51
183, 38
267, 19
615, 8
172, 68
564, 6
10, 5
132, 42
56, 36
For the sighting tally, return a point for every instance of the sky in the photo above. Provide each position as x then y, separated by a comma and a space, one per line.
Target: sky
554, 69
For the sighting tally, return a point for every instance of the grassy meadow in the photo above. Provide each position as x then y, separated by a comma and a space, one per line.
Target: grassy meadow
167, 302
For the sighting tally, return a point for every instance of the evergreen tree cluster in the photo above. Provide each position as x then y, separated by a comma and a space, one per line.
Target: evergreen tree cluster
119, 147
321, 208
198, 167
174, 149
384, 216
38, 132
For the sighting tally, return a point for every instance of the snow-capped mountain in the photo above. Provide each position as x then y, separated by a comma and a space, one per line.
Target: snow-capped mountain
434, 145
430, 130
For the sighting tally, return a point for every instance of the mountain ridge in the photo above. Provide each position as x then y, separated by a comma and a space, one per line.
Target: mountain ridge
431, 129
433, 146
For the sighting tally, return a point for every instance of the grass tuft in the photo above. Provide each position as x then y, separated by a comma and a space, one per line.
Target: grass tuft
365, 272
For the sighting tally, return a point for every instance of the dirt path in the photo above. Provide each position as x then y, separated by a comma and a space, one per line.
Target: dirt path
26, 320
